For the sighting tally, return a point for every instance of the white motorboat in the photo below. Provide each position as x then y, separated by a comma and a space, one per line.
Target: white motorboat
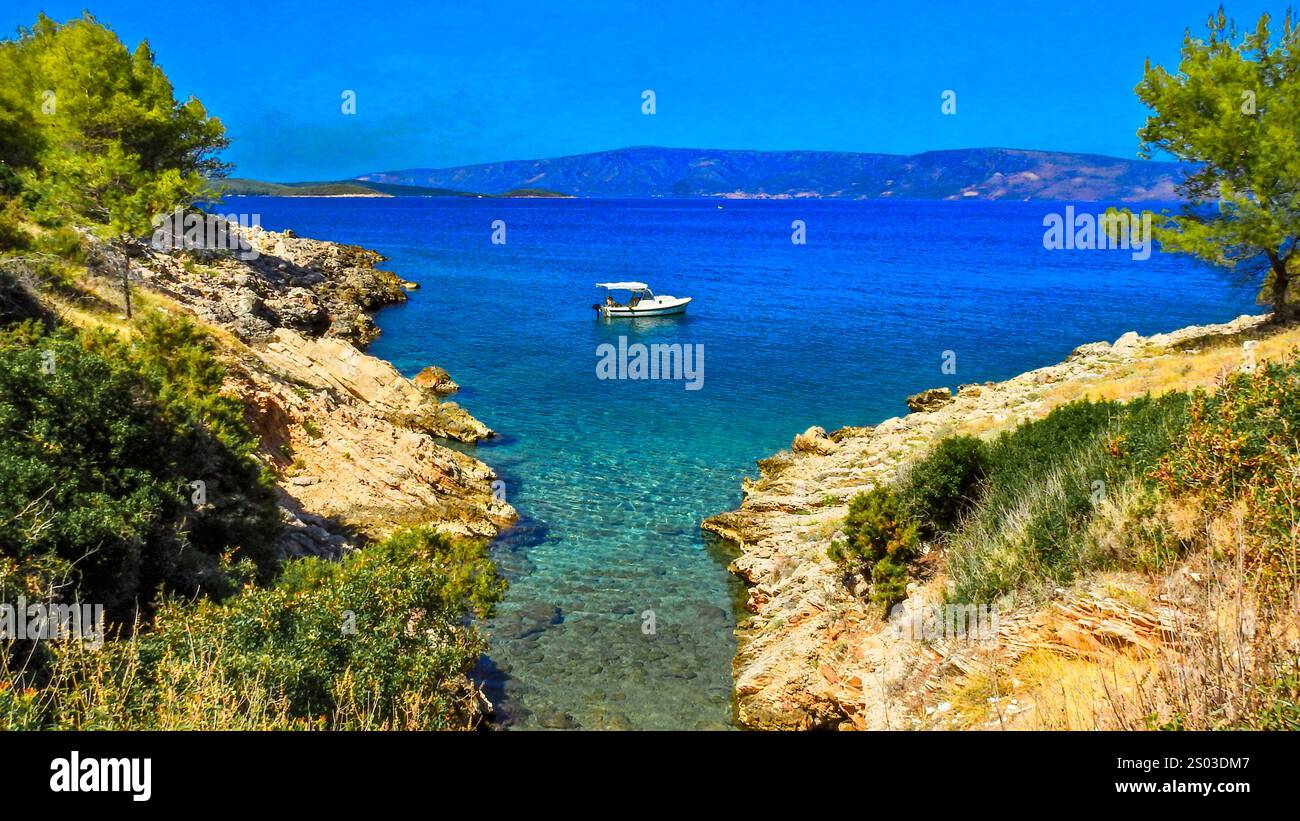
641, 301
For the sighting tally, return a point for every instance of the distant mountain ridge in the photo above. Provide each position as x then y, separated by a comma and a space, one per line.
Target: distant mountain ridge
971, 173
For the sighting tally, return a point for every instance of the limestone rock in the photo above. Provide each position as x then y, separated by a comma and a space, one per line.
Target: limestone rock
336, 423
813, 440
1091, 349
928, 401
332, 364
306, 534
450, 421
1127, 344
436, 379
310, 286
850, 432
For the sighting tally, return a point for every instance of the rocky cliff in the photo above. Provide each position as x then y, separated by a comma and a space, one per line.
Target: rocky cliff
355, 444
813, 652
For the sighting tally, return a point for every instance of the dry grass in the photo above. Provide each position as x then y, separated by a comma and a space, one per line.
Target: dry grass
1231, 662
1047, 691
1181, 367
108, 688
96, 302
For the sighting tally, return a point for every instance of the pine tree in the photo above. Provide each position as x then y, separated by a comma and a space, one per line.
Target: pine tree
1232, 108
92, 132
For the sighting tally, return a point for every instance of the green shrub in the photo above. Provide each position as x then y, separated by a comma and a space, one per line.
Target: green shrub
946, 482
178, 361
880, 540
63, 242
20, 707
1277, 705
1047, 440
98, 446
376, 640
12, 235
889, 581
1240, 449
1034, 527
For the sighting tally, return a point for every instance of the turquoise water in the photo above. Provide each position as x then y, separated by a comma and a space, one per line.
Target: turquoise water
612, 477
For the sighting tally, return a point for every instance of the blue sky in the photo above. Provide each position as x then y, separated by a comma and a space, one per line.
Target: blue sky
450, 83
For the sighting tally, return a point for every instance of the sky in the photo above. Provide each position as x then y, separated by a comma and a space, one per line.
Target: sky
441, 83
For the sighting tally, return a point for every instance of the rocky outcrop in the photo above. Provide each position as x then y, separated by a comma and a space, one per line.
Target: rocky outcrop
931, 400
814, 440
435, 379
306, 534
814, 653
341, 442
335, 365
354, 443
310, 286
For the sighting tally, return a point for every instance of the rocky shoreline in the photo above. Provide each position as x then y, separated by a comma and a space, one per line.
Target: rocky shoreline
354, 444
812, 652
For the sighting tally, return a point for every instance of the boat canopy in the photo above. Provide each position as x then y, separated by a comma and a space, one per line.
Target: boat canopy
623, 286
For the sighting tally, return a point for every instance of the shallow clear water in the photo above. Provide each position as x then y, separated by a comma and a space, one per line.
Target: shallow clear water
612, 477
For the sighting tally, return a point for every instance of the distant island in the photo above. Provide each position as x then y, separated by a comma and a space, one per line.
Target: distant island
974, 173
241, 187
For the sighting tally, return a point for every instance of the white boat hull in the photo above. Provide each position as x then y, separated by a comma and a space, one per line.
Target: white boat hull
662, 306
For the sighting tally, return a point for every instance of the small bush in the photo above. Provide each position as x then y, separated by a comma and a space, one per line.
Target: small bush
62, 242
98, 446
1035, 526
12, 235
889, 582
946, 483
377, 640
1278, 705
1047, 440
1240, 450
880, 540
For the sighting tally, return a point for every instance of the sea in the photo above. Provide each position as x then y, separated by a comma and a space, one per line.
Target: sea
620, 611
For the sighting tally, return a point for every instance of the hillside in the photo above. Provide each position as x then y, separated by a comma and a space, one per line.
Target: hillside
977, 173
339, 474
349, 439
268, 521
1099, 510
